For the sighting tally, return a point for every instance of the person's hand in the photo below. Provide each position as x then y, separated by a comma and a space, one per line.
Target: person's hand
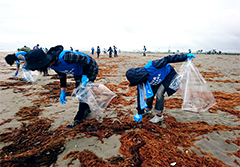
138, 118
16, 73
84, 80
190, 56
23, 67
63, 97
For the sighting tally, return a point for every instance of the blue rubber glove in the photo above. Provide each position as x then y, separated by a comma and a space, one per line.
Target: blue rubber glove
63, 97
138, 118
190, 56
23, 67
16, 73
84, 80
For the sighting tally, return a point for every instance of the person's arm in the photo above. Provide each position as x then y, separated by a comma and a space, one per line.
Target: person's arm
18, 65
169, 59
63, 84
63, 80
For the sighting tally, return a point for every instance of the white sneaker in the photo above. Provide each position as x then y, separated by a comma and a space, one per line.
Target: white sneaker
156, 119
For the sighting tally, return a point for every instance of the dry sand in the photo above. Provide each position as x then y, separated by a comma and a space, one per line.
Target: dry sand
213, 143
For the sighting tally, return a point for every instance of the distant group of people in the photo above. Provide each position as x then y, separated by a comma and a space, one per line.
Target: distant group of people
110, 51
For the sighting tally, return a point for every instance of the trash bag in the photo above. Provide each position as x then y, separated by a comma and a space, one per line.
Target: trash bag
141, 90
30, 76
96, 95
195, 92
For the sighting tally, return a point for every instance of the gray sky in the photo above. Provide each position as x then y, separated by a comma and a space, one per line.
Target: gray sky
128, 24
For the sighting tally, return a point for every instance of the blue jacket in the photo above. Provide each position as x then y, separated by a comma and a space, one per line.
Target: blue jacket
166, 71
64, 67
156, 72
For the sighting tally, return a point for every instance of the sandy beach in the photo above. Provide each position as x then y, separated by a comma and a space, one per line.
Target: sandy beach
32, 120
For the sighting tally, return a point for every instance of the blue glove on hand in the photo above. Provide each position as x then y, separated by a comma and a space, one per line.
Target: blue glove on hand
16, 73
63, 97
84, 80
23, 67
138, 118
190, 56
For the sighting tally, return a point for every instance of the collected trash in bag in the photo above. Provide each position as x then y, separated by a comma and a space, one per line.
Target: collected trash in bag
96, 95
30, 76
195, 92
144, 90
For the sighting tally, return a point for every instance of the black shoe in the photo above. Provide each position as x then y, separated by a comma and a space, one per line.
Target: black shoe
87, 111
73, 124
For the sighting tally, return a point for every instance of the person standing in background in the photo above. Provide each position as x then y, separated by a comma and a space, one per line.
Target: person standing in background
36, 47
144, 50
115, 51
92, 50
98, 51
110, 52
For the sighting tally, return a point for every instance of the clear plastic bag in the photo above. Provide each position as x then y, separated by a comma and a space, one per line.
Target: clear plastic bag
96, 95
175, 83
195, 92
30, 76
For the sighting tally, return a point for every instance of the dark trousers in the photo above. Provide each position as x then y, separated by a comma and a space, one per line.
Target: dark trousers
82, 106
115, 53
158, 91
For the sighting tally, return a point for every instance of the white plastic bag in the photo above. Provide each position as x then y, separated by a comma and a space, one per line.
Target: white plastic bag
96, 95
30, 76
195, 92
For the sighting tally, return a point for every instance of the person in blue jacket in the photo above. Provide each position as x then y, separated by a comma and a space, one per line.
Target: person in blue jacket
92, 49
83, 67
115, 51
159, 77
16, 57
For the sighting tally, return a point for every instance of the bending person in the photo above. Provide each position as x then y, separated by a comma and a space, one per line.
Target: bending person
83, 67
158, 77
16, 57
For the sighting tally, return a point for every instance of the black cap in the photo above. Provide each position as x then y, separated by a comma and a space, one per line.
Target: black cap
136, 75
36, 59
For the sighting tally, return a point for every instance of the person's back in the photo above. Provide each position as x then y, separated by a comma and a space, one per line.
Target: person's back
25, 48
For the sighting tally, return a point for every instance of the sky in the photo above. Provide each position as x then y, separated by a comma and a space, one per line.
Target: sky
128, 24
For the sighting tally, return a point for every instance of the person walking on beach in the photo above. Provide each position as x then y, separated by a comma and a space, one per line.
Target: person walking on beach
110, 52
157, 77
92, 49
144, 50
16, 57
115, 51
83, 67
36, 47
98, 51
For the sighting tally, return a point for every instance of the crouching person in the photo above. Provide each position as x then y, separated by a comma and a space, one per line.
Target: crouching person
16, 57
83, 67
157, 77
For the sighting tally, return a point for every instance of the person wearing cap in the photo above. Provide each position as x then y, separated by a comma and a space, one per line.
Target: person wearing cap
157, 77
16, 57
83, 67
